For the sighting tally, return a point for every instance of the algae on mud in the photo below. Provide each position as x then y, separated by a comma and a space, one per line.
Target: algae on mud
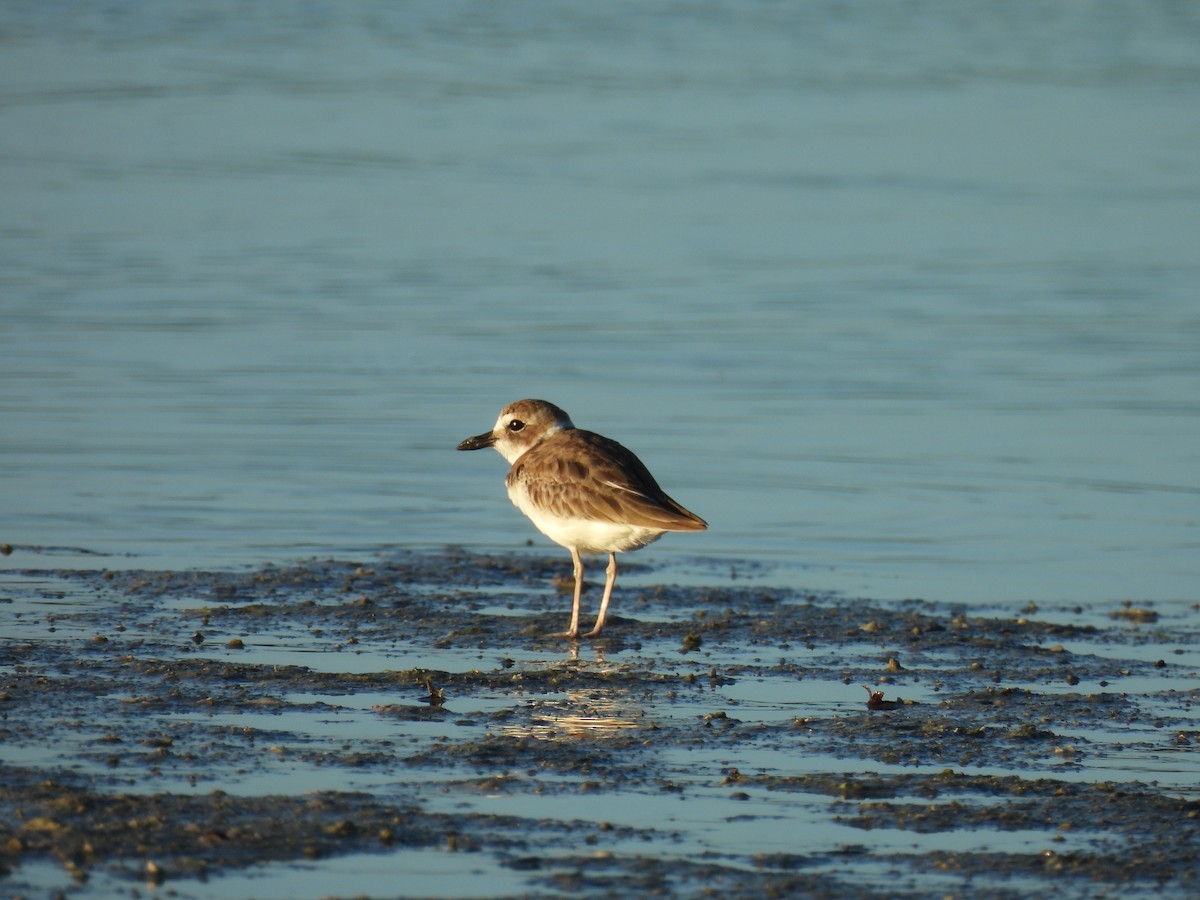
716, 740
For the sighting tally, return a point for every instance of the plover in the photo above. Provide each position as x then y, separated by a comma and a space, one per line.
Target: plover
580, 489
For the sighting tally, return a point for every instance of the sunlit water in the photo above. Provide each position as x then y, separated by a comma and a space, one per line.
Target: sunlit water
902, 301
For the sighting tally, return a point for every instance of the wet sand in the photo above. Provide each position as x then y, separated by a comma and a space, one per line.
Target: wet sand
402, 725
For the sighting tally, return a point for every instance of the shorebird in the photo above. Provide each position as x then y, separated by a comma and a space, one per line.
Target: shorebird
582, 490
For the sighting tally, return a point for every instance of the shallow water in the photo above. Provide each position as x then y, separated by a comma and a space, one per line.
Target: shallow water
904, 303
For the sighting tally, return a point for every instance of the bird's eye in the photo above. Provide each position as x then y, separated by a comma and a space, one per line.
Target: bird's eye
516, 425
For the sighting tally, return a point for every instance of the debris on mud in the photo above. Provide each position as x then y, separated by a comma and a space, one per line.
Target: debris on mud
161, 728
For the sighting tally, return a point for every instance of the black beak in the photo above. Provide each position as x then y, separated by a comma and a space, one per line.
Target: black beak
478, 442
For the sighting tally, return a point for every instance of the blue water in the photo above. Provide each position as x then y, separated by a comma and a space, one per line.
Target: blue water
903, 300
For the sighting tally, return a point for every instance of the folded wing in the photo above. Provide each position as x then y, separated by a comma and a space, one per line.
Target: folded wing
581, 474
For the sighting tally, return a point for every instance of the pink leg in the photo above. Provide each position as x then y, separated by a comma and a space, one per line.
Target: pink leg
611, 572
573, 631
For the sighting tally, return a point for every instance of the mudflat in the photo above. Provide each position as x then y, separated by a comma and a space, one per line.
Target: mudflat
403, 725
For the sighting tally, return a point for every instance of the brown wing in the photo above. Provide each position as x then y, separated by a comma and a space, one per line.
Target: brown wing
582, 474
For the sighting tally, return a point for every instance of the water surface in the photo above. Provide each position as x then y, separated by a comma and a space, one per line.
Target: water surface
903, 302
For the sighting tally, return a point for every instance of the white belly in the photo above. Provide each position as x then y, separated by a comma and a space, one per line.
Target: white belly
585, 535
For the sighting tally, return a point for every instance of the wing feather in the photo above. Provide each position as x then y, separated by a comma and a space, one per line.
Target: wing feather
581, 474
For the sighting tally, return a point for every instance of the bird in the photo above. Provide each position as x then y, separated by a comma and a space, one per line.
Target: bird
582, 490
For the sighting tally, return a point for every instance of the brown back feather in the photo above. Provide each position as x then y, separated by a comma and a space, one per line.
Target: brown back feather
578, 473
